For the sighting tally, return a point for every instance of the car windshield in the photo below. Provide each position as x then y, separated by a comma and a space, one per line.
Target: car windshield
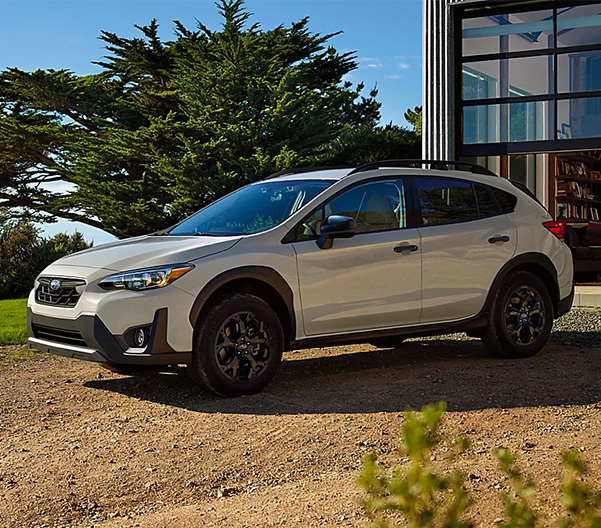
252, 209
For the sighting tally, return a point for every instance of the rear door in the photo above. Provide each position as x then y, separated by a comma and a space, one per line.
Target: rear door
465, 241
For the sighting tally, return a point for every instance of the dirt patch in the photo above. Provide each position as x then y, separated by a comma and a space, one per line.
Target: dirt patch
81, 447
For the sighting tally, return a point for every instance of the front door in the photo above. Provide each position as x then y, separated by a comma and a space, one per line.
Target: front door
370, 281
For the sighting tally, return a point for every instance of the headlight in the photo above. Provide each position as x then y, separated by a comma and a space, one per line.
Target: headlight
145, 279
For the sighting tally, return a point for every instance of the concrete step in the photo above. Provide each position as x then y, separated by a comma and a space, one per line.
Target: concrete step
587, 297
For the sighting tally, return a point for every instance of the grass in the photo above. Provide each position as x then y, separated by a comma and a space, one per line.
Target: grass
13, 322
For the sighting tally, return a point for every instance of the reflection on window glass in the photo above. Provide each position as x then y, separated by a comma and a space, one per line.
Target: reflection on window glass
503, 123
579, 25
485, 203
579, 118
510, 32
444, 201
252, 209
523, 169
507, 78
506, 200
378, 206
579, 72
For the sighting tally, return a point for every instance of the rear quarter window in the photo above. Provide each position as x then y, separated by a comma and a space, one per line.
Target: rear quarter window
485, 203
507, 201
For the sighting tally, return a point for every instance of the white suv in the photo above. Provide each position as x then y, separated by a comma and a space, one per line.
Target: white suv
314, 258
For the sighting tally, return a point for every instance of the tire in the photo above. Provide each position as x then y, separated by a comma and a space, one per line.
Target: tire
521, 317
387, 342
236, 331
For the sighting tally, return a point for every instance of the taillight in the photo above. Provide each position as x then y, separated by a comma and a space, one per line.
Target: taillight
557, 228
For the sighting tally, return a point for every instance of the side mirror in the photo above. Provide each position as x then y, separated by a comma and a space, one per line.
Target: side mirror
336, 227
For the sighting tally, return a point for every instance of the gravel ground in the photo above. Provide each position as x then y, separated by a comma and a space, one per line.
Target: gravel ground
83, 447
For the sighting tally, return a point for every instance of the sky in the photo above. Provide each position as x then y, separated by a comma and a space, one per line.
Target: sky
385, 34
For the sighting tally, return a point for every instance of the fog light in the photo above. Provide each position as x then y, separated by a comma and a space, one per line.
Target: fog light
140, 337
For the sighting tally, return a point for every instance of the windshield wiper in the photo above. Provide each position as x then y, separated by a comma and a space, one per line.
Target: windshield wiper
209, 234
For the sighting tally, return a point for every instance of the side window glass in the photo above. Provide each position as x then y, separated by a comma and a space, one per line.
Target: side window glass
310, 227
506, 200
378, 206
486, 205
444, 201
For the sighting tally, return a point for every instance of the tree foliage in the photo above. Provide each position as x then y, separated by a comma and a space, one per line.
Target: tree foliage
168, 126
414, 117
24, 254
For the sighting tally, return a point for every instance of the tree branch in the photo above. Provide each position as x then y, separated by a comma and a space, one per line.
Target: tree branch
15, 201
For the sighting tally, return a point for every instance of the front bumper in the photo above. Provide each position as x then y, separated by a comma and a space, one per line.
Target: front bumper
87, 338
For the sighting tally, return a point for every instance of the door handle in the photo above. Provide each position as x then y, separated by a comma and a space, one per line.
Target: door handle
496, 239
400, 249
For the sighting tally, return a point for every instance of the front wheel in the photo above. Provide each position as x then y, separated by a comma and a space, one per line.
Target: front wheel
521, 317
238, 346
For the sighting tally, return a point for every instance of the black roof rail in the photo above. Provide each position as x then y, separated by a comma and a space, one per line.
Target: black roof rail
434, 164
300, 170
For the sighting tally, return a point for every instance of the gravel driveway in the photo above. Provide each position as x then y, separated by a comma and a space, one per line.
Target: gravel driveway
83, 447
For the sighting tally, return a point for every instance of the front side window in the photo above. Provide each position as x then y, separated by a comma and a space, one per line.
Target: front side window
377, 206
445, 201
252, 209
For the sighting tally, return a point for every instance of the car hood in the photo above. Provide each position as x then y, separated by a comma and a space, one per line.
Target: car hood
148, 251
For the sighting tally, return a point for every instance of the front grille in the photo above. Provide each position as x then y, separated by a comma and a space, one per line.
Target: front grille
64, 295
58, 335
60, 297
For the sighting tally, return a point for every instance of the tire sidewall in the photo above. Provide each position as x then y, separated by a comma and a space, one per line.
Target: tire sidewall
508, 347
204, 360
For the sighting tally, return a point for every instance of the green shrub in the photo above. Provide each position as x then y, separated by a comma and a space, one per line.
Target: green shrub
423, 494
24, 254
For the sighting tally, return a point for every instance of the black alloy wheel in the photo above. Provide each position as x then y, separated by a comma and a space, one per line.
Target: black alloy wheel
238, 346
521, 317
243, 347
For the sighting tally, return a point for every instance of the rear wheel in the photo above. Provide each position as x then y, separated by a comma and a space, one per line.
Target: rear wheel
237, 346
521, 317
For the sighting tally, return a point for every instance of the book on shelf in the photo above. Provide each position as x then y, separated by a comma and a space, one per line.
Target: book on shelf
569, 188
576, 211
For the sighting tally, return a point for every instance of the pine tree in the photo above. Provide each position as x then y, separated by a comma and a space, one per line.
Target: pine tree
168, 126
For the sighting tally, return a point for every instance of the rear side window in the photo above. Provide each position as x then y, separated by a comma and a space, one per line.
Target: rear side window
485, 203
506, 200
444, 201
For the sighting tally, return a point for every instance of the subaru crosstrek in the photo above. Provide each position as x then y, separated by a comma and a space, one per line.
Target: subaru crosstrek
314, 258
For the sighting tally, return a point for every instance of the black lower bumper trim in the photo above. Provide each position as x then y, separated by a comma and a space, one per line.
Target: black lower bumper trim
98, 344
565, 305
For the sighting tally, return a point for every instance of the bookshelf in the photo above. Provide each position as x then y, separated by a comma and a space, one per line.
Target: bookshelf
577, 186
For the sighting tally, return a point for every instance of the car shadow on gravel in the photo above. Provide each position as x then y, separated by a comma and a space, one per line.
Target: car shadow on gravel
420, 372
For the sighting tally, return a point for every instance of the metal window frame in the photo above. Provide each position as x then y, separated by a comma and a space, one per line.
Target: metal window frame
553, 144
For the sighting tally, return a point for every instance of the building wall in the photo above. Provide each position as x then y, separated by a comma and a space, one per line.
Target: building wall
438, 78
